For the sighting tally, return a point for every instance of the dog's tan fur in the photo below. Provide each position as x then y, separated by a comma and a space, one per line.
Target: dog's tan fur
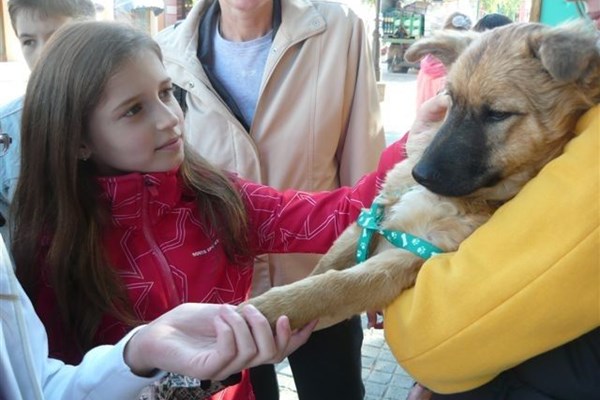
546, 78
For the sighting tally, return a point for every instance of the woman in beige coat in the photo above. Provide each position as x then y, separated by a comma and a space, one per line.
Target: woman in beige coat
309, 119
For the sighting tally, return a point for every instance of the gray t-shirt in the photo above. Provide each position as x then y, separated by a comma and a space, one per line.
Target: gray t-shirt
239, 66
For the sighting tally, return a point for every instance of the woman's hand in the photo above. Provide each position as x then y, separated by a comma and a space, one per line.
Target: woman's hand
375, 319
430, 114
419, 392
427, 123
210, 341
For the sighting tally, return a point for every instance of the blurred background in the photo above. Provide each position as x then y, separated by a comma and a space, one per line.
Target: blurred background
383, 18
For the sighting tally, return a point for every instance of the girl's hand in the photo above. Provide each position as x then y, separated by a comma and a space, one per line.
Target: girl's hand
210, 342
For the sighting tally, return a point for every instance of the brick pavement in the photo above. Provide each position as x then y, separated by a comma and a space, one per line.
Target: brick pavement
384, 379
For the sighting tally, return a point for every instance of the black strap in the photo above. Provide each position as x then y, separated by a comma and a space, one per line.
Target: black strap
180, 93
205, 54
2, 219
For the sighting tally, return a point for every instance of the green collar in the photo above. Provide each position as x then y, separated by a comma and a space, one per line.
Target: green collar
369, 220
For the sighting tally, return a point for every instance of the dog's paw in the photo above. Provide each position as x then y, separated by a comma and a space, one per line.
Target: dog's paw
277, 302
266, 308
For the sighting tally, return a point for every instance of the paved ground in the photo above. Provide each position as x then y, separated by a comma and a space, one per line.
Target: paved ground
398, 106
384, 379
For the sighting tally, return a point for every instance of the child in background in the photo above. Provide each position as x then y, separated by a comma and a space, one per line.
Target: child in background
432, 73
34, 22
127, 221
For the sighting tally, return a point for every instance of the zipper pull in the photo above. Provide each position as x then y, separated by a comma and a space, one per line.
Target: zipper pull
152, 189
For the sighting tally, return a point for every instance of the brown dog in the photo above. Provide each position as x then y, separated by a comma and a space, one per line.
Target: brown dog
516, 92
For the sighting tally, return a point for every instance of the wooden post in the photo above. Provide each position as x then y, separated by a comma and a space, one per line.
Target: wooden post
376, 46
536, 10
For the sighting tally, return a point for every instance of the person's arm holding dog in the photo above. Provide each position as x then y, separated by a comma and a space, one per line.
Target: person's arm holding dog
526, 282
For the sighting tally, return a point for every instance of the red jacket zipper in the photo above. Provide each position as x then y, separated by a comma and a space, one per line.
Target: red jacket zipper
161, 261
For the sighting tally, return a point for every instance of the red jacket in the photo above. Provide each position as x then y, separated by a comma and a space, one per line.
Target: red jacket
166, 257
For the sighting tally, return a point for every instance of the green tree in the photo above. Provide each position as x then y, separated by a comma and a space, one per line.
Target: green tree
510, 8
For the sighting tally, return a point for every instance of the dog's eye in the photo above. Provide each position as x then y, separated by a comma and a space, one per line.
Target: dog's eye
498, 116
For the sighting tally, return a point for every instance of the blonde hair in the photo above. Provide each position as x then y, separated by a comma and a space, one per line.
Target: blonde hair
457, 21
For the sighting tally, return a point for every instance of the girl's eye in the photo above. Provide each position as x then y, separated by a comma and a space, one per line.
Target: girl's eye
166, 93
133, 110
28, 43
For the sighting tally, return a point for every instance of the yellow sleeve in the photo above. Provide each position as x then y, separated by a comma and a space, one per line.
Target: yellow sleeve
524, 283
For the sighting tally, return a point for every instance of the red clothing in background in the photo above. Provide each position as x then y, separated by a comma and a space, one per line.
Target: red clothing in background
431, 79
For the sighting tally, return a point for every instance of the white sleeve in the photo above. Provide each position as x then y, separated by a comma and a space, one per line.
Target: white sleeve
102, 374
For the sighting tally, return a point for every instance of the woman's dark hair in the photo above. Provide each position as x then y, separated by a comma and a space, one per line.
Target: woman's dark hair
59, 216
491, 21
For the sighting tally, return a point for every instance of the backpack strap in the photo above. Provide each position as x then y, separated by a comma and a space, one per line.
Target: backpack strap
180, 93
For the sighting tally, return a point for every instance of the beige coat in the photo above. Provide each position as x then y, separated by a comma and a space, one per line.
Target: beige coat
317, 123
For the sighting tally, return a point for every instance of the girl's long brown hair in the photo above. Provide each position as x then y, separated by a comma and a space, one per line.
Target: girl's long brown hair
59, 217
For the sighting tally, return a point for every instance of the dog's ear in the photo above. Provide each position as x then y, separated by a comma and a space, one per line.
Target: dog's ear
569, 52
446, 45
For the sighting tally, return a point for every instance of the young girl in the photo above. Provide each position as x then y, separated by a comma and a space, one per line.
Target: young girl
127, 222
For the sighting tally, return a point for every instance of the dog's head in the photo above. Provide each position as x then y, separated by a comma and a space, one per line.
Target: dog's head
517, 92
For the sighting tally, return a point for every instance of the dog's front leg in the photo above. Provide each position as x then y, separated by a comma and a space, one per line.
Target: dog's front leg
337, 295
342, 253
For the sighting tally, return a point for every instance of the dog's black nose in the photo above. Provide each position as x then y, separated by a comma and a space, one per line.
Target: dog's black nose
426, 176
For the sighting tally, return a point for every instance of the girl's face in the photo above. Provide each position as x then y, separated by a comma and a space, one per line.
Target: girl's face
138, 124
593, 9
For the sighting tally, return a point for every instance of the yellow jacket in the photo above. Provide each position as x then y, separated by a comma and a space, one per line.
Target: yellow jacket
524, 283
